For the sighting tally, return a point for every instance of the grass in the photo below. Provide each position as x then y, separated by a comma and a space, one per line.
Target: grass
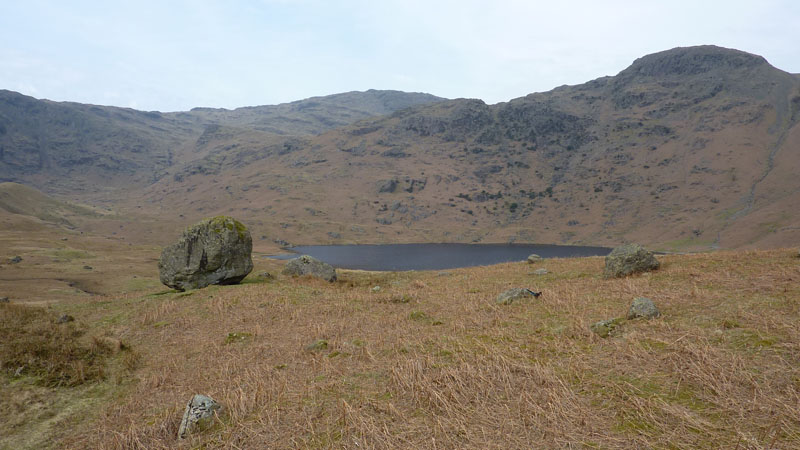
432, 361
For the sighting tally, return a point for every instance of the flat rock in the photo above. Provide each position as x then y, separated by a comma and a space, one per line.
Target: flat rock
606, 328
199, 414
539, 272
643, 307
308, 265
4, 300
510, 296
534, 258
213, 251
629, 259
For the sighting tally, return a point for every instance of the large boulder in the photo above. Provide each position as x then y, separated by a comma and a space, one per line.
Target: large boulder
629, 259
308, 265
214, 251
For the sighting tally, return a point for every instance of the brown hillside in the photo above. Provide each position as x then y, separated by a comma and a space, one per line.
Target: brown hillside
692, 148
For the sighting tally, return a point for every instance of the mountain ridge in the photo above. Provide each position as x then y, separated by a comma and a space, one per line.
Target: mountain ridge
690, 148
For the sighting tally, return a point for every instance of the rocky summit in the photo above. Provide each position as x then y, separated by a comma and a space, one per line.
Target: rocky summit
214, 251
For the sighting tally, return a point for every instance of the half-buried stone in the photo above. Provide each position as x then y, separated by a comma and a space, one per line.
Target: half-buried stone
213, 251
308, 265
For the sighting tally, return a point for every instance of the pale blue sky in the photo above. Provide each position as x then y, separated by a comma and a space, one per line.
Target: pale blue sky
174, 55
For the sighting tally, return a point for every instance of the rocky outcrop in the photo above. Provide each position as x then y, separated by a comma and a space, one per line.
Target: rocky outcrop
629, 259
308, 265
214, 251
199, 414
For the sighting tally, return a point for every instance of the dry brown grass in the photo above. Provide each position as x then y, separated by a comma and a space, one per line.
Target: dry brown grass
432, 362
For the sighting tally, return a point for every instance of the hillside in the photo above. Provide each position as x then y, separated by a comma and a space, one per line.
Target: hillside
691, 148
71, 148
687, 149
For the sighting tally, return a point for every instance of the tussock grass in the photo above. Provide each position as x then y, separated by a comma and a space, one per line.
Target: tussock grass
33, 343
446, 367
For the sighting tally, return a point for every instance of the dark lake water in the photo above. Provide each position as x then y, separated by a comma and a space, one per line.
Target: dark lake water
396, 257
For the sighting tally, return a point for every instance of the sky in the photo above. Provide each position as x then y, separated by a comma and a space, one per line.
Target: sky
173, 55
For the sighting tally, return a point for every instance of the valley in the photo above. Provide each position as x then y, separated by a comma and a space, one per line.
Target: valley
691, 152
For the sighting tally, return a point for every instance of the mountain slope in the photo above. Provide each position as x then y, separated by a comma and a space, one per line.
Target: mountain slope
690, 148
76, 148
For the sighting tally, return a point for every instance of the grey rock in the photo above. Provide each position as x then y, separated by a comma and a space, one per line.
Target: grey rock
376, 289
213, 251
444, 273
199, 414
643, 307
387, 186
510, 296
87, 267
334, 235
15, 260
534, 258
383, 221
542, 271
65, 318
308, 265
629, 259
606, 328
4, 300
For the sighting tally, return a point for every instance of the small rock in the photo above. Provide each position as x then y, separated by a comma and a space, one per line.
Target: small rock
643, 307
266, 276
308, 265
65, 318
87, 267
376, 289
319, 344
64, 239
606, 328
444, 273
510, 296
199, 414
15, 260
235, 337
4, 300
539, 272
629, 259
534, 258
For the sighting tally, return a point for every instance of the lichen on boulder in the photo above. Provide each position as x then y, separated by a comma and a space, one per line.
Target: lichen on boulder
199, 414
308, 265
510, 296
629, 259
214, 251
643, 307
